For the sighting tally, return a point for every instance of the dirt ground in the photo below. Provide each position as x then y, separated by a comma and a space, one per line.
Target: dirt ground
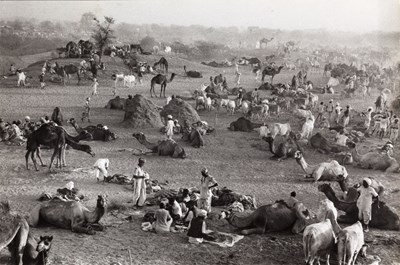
238, 160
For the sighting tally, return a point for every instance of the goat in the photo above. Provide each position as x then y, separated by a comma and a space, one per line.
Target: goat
231, 106
245, 106
279, 129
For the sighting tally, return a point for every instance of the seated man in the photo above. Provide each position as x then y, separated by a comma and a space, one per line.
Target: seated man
341, 138
163, 219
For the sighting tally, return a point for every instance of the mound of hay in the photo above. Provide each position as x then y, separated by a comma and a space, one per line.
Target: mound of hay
180, 110
141, 112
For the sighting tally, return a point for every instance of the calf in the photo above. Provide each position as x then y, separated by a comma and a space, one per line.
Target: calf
129, 80
350, 242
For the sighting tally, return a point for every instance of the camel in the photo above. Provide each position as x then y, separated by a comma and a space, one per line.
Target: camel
98, 132
270, 218
52, 136
193, 74
265, 41
376, 160
382, 215
284, 150
193, 137
160, 80
14, 230
326, 171
271, 72
86, 47
67, 70
321, 144
37, 252
163, 64
166, 147
244, 125
70, 215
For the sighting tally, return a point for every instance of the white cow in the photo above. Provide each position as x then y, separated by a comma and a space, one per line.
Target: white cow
279, 129
350, 242
21, 78
129, 80
117, 78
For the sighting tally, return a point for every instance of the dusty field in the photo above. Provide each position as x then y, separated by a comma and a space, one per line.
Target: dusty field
238, 160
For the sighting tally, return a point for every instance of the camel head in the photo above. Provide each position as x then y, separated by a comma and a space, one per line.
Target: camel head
44, 243
5, 207
72, 121
139, 136
225, 215
302, 214
87, 149
298, 155
109, 135
102, 201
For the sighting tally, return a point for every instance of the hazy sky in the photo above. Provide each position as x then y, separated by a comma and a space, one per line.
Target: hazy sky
348, 15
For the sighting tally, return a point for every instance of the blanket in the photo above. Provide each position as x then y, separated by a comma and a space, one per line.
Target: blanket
224, 239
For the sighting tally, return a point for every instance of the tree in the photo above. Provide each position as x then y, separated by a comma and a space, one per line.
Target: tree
103, 34
147, 43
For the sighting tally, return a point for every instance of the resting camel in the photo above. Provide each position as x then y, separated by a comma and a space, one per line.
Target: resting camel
98, 132
160, 80
376, 160
321, 144
382, 216
70, 215
284, 150
270, 218
193, 74
36, 252
14, 230
163, 64
162, 148
54, 137
326, 171
271, 72
244, 125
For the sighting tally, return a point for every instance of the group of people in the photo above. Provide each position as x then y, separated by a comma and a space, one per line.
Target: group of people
334, 113
17, 131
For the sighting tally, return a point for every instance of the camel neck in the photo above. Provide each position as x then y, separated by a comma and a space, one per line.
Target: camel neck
302, 162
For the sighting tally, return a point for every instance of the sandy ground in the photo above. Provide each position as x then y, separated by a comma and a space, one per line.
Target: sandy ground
238, 160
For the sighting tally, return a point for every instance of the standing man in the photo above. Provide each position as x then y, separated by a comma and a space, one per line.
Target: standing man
338, 110
41, 80
206, 185
321, 109
169, 130
86, 110
364, 202
101, 165
346, 116
330, 108
139, 184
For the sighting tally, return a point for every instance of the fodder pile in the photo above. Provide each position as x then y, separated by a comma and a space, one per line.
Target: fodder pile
141, 112
180, 110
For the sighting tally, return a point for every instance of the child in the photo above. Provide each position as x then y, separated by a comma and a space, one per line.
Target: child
95, 84
41, 80
364, 202
86, 112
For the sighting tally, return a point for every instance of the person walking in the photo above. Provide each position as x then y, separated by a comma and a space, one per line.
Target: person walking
101, 166
169, 130
338, 111
139, 184
321, 110
95, 85
206, 185
86, 111
346, 116
364, 202
330, 108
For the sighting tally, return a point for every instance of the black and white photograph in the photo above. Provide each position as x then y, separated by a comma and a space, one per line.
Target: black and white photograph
180, 132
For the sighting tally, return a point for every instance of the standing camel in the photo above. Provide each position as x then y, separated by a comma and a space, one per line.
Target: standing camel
54, 137
161, 80
163, 64
265, 41
67, 70
271, 72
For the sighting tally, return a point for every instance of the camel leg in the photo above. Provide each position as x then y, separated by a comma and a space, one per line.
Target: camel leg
79, 228
79, 78
56, 151
257, 230
27, 158
19, 243
34, 160
97, 227
39, 156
